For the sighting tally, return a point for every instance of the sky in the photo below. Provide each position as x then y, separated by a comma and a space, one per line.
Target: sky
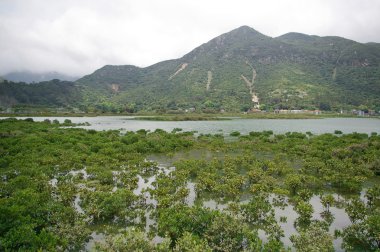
76, 37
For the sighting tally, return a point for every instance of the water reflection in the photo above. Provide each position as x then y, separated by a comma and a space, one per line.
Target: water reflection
144, 184
340, 220
340, 217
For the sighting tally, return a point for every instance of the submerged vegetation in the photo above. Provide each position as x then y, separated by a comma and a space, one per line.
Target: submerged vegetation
60, 185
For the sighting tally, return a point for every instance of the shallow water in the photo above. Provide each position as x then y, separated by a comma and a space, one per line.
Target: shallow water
96, 237
316, 126
340, 221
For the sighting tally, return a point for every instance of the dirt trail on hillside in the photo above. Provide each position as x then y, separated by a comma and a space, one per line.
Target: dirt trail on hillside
250, 84
183, 66
209, 79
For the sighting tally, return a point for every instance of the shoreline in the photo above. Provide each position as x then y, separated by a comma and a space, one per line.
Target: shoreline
192, 117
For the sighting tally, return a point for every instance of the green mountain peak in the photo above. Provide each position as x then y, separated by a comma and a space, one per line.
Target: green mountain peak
244, 69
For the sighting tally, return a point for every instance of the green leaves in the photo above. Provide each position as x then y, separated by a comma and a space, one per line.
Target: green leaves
313, 239
363, 234
56, 183
293, 182
106, 205
130, 240
305, 211
176, 220
228, 234
327, 201
191, 243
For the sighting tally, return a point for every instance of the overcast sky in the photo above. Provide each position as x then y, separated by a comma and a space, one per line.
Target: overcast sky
76, 37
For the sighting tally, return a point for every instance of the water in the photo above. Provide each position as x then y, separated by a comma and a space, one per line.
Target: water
316, 126
95, 237
340, 221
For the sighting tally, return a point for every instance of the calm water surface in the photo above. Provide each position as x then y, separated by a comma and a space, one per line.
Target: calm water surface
316, 126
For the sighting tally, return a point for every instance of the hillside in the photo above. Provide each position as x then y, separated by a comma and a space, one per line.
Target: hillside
291, 71
48, 93
244, 69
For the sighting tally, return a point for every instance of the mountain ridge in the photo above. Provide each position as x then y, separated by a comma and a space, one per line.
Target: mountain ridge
241, 70
32, 77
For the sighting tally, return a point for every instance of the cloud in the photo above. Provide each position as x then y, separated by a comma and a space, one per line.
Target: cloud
77, 37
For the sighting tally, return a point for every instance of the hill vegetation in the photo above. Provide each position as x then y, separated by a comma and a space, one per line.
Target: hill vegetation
241, 70
60, 185
47, 93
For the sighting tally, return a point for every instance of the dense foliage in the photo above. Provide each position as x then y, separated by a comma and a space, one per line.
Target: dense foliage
58, 185
47, 93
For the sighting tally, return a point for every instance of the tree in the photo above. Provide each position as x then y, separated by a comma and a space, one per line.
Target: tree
305, 211
364, 235
373, 195
324, 106
327, 201
229, 234
130, 241
304, 194
293, 182
191, 243
315, 238
257, 210
174, 221
356, 210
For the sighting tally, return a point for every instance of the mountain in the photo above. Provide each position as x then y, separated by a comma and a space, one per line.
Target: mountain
244, 69
30, 77
47, 93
